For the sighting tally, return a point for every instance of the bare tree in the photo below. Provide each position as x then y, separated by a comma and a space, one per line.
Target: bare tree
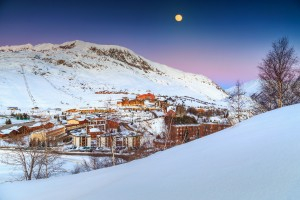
34, 162
113, 146
94, 163
49, 164
237, 102
279, 77
167, 133
77, 169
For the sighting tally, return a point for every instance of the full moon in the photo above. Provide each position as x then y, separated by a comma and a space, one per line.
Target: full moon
178, 17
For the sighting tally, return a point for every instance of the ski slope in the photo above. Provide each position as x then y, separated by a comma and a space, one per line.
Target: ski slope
257, 159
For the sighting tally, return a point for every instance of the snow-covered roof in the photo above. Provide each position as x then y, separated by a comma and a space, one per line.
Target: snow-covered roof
77, 119
184, 125
36, 124
93, 130
7, 131
14, 127
81, 132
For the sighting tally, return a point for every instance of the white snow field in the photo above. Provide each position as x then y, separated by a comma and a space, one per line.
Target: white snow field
68, 75
10, 173
258, 159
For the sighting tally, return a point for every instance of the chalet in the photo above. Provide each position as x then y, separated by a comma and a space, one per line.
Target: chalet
51, 135
36, 126
24, 130
87, 110
148, 96
9, 132
129, 103
71, 111
2, 135
40, 126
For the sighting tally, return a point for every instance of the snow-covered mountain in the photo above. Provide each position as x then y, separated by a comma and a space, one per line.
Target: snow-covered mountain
249, 87
257, 159
69, 74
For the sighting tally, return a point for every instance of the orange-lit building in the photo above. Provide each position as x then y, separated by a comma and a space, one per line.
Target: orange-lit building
148, 96
112, 126
126, 102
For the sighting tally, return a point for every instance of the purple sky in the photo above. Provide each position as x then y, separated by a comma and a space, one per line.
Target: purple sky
224, 40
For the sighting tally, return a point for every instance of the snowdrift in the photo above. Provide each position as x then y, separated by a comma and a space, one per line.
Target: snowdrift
257, 159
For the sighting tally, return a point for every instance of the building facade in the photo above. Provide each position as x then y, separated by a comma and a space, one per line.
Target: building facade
82, 140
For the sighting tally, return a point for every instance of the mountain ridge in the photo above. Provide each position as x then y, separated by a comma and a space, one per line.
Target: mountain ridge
89, 66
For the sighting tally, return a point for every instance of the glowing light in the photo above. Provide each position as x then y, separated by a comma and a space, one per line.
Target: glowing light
178, 18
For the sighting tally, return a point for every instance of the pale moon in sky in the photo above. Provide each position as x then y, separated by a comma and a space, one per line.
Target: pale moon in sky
178, 17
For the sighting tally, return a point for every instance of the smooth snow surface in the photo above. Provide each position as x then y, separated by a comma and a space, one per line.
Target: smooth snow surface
257, 159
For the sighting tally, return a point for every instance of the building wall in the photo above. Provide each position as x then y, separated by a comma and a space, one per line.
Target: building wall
116, 141
42, 126
102, 142
148, 96
181, 134
73, 121
38, 136
81, 141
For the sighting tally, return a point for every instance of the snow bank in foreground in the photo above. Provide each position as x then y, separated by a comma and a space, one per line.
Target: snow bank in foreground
257, 159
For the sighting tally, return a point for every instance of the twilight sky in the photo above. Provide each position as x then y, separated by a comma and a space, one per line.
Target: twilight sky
224, 40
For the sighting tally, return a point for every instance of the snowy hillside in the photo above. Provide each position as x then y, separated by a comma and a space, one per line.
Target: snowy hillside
258, 159
249, 87
69, 74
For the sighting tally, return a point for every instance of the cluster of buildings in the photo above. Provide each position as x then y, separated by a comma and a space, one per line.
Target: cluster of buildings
90, 110
92, 131
39, 132
102, 133
86, 127
141, 102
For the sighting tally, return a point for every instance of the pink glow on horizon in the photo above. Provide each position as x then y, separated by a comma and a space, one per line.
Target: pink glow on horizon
219, 68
